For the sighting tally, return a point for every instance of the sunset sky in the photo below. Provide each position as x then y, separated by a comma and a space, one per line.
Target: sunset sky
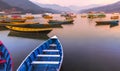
75, 2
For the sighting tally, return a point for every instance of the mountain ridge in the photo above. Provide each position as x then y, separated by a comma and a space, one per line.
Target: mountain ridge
110, 8
28, 6
54, 6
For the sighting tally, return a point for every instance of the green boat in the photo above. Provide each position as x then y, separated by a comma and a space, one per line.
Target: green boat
60, 22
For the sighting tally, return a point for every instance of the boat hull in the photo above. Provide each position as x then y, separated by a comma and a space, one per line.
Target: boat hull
60, 22
6, 60
46, 57
29, 30
47, 17
106, 22
37, 25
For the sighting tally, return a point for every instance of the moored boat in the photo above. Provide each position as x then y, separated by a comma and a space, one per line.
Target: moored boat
20, 23
16, 17
36, 25
46, 57
3, 25
101, 15
29, 16
29, 25
68, 14
114, 17
47, 16
107, 22
5, 59
28, 30
61, 21
4, 18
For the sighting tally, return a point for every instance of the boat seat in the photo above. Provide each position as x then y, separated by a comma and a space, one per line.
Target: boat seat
45, 55
50, 50
2, 61
53, 45
45, 62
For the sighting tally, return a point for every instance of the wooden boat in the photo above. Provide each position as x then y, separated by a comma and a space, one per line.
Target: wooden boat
46, 57
28, 30
68, 14
107, 22
101, 15
5, 59
29, 25
47, 16
36, 25
4, 24
114, 17
3, 15
92, 16
29, 16
17, 18
4, 18
24, 23
60, 22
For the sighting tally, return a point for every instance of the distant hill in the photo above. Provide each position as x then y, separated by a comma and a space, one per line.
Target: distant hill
5, 6
54, 6
27, 6
71, 8
78, 8
115, 7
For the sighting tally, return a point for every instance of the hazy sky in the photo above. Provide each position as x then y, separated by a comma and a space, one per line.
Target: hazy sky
75, 2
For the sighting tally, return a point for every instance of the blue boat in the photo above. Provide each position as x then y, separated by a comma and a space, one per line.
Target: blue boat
46, 57
5, 59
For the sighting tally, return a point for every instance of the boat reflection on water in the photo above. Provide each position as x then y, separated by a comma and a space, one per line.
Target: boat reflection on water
3, 28
39, 35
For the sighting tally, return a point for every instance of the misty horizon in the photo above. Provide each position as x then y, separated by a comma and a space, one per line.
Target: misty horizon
79, 3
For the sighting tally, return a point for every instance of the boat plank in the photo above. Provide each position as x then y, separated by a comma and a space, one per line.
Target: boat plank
43, 55
45, 62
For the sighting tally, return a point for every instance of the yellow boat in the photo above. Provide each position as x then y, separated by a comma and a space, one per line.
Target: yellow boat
31, 30
25, 22
3, 15
114, 17
47, 16
29, 17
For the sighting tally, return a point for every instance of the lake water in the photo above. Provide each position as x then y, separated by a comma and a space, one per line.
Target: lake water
87, 47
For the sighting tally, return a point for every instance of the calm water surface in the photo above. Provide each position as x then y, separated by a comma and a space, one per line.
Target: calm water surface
87, 47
